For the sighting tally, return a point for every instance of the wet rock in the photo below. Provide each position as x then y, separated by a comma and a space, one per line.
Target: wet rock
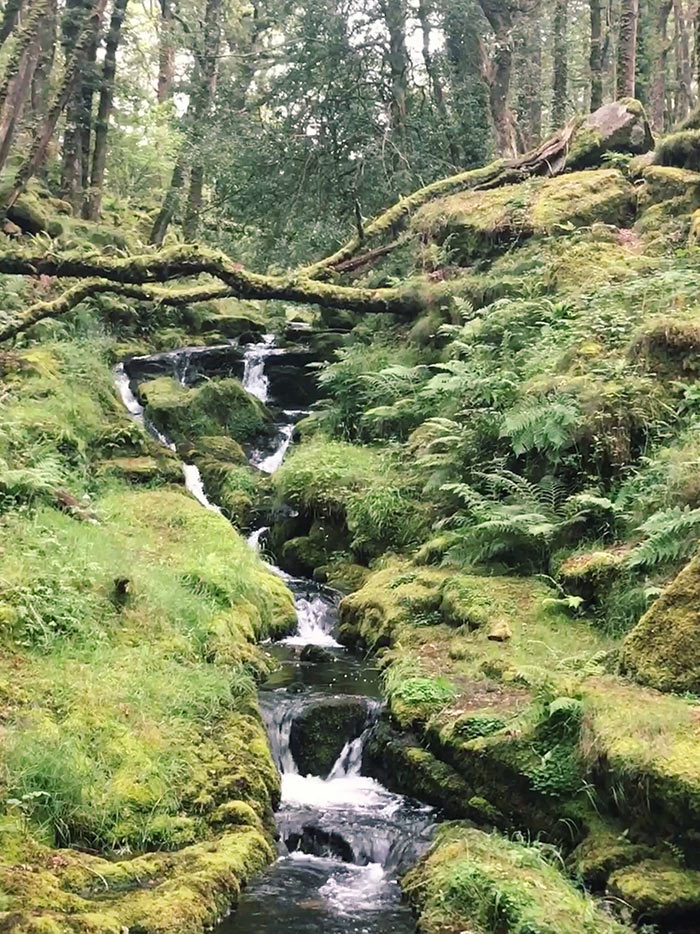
620, 126
318, 842
316, 653
320, 731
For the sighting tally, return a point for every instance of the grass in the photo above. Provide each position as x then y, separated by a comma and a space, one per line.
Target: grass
487, 884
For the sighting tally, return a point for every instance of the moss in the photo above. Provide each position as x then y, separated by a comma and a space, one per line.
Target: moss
668, 346
590, 575
462, 604
400, 763
343, 576
663, 649
665, 182
478, 223
485, 883
680, 149
603, 852
217, 407
145, 469
28, 213
321, 730
658, 892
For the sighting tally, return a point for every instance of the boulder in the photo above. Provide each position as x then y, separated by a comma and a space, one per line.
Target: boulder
316, 653
663, 649
658, 892
321, 729
620, 126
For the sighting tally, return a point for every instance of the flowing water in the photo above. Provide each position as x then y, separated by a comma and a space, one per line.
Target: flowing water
343, 839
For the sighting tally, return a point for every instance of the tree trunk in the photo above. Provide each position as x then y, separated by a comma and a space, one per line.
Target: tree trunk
498, 71
595, 59
560, 70
205, 88
627, 48
42, 73
436, 89
166, 52
683, 100
93, 203
87, 97
46, 129
70, 156
657, 109
394, 13
15, 93
528, 69
171, 202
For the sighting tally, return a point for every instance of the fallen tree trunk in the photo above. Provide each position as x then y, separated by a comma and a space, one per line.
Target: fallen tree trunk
131, 277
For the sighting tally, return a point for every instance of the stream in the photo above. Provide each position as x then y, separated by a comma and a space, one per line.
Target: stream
343, 839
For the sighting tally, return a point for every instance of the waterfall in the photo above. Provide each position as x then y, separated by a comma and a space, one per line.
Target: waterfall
254, 379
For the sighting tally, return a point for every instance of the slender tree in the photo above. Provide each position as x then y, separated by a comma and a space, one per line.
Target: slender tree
394, 15
657, 104
627, 48
595, 59
560, 70
166, 51
93, 202
500, 16
46, 129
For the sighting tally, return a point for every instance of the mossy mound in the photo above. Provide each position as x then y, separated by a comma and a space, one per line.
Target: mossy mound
478, 882
591, 574
68, 892
619, 126
475, 223
669, 347
665, 182
321, 730
145, 469
658, 892
217, 407
663, 649
602, 853
681, 149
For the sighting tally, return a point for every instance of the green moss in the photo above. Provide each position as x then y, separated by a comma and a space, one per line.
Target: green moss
601, 853
658, 892
668, 346
217, 407
663, 183
321, 730
680, 149
488, 884
590, 575
663, 649
477, 223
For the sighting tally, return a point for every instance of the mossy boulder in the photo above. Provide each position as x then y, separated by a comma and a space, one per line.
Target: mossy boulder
669, 346
219, 406
145, 469
321, 730
601, 853
663, 649
620, 126
658, 892
681, 149
28, 213
474, 881
343, 576
404, 766
591, 574
463, 604
477, 223
664, 182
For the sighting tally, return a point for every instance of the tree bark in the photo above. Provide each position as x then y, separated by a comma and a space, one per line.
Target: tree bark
627, 48
47, 51
560, 70
205, 88
657, 109
436, 90
529, 79
166, 52
18, 76
499, 15
683, 99
595, 59
394, 13
46, 129
93, 203
171, 202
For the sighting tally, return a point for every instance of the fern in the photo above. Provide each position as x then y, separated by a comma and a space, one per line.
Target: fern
671, 534
546, 426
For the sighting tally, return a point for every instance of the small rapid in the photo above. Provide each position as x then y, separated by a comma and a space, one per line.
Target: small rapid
344, 839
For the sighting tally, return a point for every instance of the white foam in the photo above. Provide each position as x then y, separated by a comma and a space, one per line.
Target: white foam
353, 791
195, 486
315, 622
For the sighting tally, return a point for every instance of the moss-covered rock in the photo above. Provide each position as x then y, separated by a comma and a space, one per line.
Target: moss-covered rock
403, 765
620, 126
219, 406
145, 469
601, 853
681, 149
473, 881
663, 649
658, 891
343, 576
591, 574
664, 182
474, 223
668, 346
321, 730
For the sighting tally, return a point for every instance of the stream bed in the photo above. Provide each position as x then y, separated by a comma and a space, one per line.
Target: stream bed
343, 839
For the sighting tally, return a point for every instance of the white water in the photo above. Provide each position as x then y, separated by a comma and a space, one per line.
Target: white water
194, 485
254, 380
254, 538
315, 623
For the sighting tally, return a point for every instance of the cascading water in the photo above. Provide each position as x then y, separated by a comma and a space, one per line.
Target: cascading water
344, 839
